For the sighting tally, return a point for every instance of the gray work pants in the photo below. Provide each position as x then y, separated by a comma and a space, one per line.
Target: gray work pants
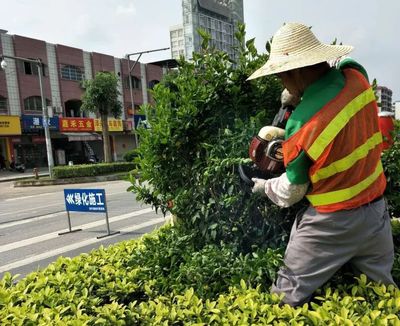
322, 243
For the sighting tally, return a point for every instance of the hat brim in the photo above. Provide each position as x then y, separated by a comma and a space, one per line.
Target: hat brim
313, 56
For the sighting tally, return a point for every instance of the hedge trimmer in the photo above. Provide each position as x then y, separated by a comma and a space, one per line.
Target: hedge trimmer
265, 149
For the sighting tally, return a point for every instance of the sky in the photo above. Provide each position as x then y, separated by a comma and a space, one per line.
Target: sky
118, 27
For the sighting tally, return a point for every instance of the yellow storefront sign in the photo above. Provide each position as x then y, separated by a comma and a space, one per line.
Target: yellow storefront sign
10, 125
113, 125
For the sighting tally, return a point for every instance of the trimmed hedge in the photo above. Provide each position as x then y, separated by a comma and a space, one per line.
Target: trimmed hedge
162, 279
90, 170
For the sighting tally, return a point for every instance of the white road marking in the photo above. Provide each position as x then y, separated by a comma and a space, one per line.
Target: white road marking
74, 246
29, 220
48, 205
52, 235
25, 197
27, 210
52, 193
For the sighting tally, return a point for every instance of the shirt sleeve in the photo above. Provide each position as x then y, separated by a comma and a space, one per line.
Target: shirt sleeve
297, 170
283, 193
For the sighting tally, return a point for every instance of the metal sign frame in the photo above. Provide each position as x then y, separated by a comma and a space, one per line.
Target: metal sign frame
89, 201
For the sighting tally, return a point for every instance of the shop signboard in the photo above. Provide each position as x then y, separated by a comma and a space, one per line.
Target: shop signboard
34, 123
140, 120
10, 125
113, 125
76, 124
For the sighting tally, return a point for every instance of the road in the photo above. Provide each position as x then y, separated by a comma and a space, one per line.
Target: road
31, 219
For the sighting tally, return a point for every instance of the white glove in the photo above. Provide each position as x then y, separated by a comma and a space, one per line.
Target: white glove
259, 186
284, 194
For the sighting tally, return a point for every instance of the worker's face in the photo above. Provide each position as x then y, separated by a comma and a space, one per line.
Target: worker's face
292, 81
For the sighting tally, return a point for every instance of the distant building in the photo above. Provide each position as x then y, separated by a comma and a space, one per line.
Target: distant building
384, 98
74, 134
177, 41
217, 17
396, 109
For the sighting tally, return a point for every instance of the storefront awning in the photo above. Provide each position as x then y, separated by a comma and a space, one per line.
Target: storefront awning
82, 136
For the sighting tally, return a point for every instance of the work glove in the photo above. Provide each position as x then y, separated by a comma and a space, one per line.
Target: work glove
259, 186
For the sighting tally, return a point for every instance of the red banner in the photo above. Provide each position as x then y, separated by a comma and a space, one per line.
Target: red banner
76, 124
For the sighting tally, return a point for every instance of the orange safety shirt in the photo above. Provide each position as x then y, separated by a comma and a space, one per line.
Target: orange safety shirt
344, 144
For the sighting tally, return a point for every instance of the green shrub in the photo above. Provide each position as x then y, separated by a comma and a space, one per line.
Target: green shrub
162, 279
391, 163
89, 170
130, 155
201, 127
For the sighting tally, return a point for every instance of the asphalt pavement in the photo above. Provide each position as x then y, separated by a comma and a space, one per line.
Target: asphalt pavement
32, 218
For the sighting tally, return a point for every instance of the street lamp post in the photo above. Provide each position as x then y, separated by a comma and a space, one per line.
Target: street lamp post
130, 69
45, 115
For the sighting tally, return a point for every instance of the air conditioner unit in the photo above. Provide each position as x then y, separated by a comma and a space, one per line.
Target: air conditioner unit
57, 109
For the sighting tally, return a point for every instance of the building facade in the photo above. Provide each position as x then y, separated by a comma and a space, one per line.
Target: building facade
396, 109
384, 95
75, 135
217, 17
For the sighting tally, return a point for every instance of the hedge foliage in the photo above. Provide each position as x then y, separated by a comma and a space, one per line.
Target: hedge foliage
162, 279
200, 129
89, 170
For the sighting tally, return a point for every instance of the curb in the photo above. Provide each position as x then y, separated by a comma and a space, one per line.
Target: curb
20, 177
36, 183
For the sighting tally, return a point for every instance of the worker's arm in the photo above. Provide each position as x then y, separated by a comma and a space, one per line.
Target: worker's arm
280, 191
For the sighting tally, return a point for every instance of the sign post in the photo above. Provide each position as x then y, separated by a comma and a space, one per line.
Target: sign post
87, 200
69, 226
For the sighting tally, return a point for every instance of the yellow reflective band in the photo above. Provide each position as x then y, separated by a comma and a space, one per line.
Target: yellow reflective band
338, 196
349, 160
338, 123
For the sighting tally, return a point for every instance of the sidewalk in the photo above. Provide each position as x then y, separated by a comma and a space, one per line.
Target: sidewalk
12, 175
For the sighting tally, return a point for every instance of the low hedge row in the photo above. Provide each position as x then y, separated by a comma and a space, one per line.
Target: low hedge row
89, 170
162, 279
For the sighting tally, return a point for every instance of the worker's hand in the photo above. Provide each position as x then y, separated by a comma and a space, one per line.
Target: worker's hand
259, 186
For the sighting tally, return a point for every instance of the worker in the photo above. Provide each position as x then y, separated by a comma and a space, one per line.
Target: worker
331, 153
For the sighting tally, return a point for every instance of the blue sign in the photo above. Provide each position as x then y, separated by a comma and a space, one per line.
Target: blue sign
32, 123
140, 120
85, 200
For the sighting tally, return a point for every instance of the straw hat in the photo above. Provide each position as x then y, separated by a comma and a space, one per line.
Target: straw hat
295, 46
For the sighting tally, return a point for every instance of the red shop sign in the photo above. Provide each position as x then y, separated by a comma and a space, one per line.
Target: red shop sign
76, 124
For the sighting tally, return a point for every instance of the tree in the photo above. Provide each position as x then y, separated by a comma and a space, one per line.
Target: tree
204, 117
101, 97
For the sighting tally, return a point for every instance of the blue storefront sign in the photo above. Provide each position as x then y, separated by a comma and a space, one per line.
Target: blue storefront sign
140, 121
32, 123
85, 200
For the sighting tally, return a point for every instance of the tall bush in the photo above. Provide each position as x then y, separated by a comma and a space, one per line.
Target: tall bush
391, 164
200, 128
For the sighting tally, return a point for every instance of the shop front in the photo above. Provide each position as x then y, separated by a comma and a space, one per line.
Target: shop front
10, 128
121, 137
77, 143
30, 148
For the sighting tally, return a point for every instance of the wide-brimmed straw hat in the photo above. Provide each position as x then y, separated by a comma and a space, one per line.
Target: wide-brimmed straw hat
294, 46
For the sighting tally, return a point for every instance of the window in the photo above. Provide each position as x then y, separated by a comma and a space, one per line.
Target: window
3, 104
153, 83
136, 82
34, 103
71, 72
31, 68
